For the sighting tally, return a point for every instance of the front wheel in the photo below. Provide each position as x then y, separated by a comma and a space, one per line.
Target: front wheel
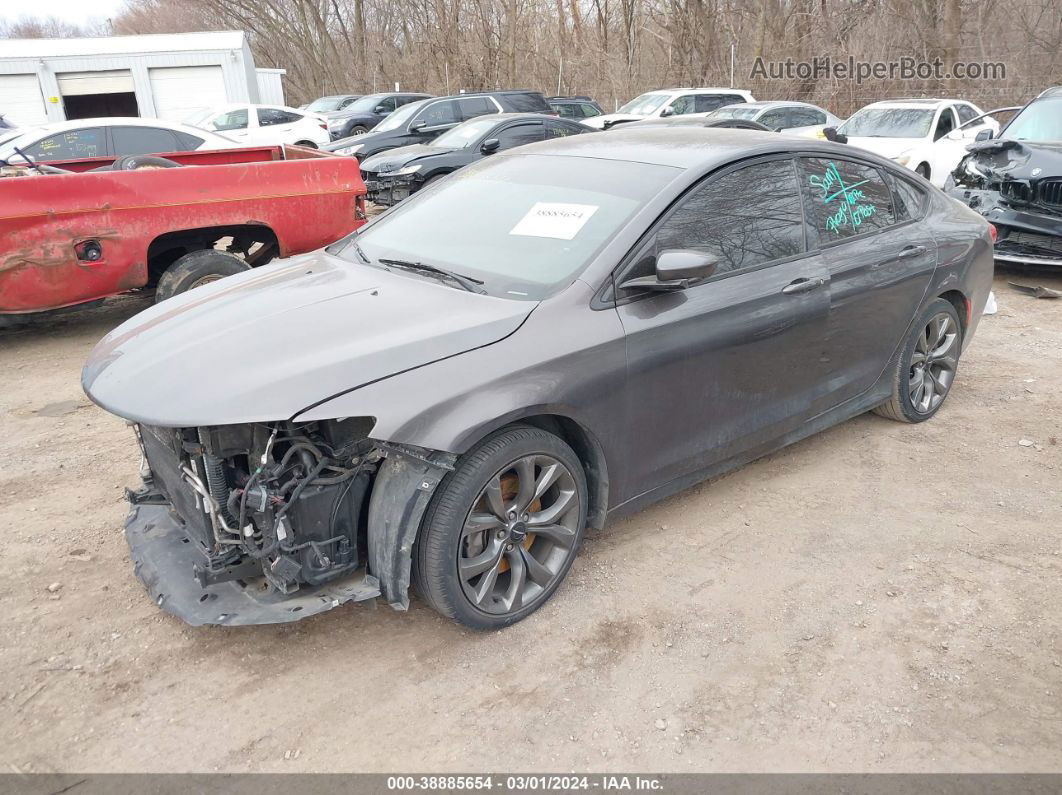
357, 129
307, 144
925, 368
196, 269
503, 529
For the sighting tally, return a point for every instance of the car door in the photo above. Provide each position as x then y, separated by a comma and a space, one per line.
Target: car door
732, 362
559, 128
880, 260
277, 126
236, 124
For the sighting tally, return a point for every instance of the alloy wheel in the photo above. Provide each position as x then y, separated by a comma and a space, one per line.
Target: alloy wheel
933, 362
519, 535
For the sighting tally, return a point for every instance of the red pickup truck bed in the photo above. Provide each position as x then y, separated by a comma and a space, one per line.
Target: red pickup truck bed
71, 238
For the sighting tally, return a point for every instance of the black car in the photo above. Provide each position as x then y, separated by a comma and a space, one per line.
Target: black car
393, 175
578, 107
360, 116
1015, 181
420, 122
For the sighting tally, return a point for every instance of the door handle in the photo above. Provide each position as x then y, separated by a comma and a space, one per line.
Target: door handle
803, 285
911, 251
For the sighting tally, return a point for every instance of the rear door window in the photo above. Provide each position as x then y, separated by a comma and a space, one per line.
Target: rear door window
476, 106
70, 145
776, 119
806, 117
845, 198
558, 129
268, 117
764, 226
705, 103
966, 113
144, 141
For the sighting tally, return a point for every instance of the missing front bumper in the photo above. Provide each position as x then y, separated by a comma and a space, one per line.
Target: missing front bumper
163, 560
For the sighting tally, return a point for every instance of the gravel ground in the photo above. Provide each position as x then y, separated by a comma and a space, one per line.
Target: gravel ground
879, 597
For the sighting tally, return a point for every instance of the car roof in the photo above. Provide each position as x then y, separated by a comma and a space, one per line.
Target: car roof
679, 147
108, 121
775, 103
914, 103
523, 115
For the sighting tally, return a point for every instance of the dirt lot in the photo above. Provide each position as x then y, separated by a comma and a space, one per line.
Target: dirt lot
879, 597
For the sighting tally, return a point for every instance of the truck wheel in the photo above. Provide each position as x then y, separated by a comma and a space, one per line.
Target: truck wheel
196, 269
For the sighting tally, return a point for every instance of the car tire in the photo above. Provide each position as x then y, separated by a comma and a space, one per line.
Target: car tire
357, 129
196, 269
923, 371
453, 561
923, 170
307, 144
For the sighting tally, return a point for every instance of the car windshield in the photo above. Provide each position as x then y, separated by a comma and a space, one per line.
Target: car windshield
465, 134
889, 123
325, 104
1039, 121
399, 117
645, 104
525, 225
734, 112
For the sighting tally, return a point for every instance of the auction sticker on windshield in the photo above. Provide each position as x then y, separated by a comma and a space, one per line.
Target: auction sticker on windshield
553, 219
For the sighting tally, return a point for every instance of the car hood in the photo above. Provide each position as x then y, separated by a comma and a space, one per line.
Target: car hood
264, 345
599, 122
344, 115
886, 147
396, 158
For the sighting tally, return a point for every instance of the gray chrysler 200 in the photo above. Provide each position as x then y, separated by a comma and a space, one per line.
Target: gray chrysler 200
545, 340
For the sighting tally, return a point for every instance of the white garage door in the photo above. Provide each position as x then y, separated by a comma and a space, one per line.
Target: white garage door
21, 100
179, 91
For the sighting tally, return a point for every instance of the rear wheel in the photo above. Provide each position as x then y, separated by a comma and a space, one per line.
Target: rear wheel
196, 269
925, 368
503, 529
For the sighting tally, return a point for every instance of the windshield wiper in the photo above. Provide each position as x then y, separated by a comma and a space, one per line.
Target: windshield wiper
466, 282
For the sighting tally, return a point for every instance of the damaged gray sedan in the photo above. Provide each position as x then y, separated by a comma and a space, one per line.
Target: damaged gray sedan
550, 338
1015, 181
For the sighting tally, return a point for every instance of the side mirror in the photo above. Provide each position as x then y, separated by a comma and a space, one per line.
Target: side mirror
490, 146
666, 112
676, 269
984, 135
831, 134
417, 126
380, 110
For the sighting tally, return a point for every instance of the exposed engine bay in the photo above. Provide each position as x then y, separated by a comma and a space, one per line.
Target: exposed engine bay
1017, 186
257, 523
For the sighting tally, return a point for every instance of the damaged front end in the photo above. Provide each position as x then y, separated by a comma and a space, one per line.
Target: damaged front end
1017, 186
269, 523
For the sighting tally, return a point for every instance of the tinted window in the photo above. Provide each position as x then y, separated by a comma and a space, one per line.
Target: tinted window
765, 224
557, 130
476, 106
346, 102
846, 198
531, 102
775, 119
438, 113
966, 113
143, 141
71, 145
705, 103
907, 199
567, 111
388, 104
189, 142
589, 110
233, 120
270, 116
806, 117
520, 134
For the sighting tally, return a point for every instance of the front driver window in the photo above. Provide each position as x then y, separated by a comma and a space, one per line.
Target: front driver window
682, 105
233, 120
762, 226
945, 124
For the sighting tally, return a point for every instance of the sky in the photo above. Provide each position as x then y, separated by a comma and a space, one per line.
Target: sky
77, 12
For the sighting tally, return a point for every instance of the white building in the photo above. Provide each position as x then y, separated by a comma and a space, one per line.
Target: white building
165, 76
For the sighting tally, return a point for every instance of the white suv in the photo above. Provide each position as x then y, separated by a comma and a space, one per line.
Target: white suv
671, 102
925, 135
264, 125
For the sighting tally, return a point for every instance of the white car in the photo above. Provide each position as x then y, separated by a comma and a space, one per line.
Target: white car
264, 125
794, 118
670, 102
929, 136
106, 137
